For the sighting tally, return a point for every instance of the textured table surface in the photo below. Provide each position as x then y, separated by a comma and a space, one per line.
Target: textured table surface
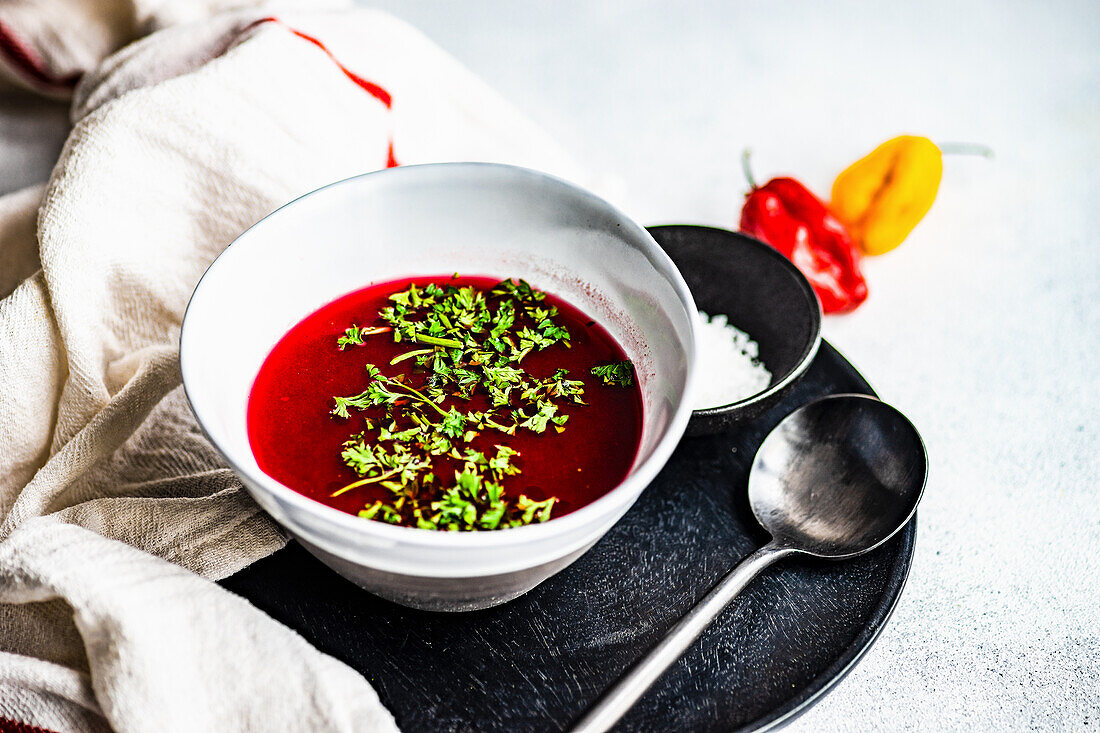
984, 327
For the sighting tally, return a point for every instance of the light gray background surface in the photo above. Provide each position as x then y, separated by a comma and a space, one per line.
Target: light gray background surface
984, 326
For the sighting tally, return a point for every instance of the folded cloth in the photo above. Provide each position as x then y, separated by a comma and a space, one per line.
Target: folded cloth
115, 513
46, 46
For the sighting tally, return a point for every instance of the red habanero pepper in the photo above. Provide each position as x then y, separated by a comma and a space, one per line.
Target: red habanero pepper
786, 215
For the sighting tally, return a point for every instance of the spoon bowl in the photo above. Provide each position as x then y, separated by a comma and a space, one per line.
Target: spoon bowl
835, 479
838, 477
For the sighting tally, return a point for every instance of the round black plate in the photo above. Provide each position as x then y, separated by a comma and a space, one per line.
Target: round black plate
536, 663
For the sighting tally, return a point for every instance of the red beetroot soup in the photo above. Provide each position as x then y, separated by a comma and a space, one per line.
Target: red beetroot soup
298, 441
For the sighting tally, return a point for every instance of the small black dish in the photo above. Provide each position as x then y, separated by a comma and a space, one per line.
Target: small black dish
763, 294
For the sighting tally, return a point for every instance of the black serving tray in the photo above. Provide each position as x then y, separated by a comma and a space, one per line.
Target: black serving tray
536, 663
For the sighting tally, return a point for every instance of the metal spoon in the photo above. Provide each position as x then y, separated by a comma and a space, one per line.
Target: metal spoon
835, 479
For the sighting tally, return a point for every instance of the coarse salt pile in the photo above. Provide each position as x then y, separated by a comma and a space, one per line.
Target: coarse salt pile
728, 364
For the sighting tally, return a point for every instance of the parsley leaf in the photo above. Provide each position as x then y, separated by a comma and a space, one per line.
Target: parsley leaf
620, 373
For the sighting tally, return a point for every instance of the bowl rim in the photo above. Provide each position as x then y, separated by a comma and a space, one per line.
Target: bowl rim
810, 349
625, 493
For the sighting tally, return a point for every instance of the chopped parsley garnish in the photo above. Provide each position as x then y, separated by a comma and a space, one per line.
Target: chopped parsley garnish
354, 336
620, 374
465, 343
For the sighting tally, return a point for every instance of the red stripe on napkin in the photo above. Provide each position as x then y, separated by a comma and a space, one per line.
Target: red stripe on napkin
375, 90
26, 61
11, 726
371, 88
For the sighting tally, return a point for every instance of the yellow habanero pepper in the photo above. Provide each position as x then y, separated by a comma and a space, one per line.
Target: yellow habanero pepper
881, 197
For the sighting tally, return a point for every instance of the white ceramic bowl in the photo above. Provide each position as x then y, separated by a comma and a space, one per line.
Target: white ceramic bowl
473, 218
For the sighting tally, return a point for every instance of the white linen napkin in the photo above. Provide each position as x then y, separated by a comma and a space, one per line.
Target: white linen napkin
115, 513
46, 46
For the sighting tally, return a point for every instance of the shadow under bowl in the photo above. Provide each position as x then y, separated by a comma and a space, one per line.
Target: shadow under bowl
763, 294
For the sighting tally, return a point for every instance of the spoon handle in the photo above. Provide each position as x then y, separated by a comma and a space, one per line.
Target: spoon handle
618, 699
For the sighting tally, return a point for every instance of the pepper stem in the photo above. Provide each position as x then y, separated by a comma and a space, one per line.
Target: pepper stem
957, 148
746, 166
